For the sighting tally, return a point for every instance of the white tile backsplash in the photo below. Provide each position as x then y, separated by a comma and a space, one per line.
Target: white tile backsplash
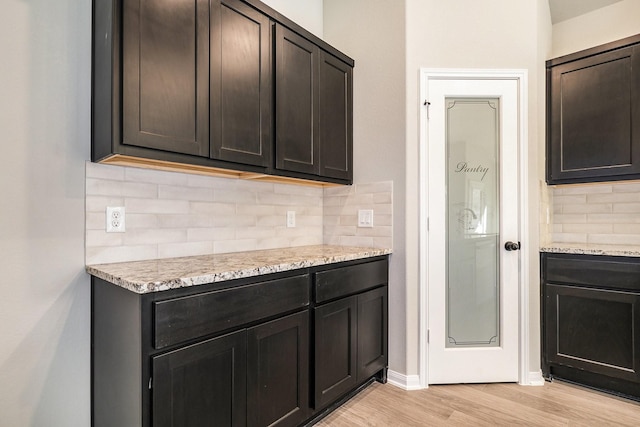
598, 213
171, 214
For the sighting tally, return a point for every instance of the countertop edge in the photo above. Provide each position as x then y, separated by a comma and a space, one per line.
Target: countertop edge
591, 250
106, 271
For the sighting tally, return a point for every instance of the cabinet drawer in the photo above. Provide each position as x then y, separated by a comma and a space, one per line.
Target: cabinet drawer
190, 317
343, 281
620, 273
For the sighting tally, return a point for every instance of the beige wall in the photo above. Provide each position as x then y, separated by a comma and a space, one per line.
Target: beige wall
372, 32
308, 13
604, 25
44, 291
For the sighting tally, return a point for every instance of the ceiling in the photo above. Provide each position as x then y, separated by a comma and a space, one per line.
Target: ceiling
561, 10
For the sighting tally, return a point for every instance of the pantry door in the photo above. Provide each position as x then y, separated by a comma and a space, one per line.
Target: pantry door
473, 230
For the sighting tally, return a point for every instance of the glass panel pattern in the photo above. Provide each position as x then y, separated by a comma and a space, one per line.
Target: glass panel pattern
473, 222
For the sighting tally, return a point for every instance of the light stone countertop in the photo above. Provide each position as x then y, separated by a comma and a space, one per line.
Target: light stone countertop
170, 273
591, 249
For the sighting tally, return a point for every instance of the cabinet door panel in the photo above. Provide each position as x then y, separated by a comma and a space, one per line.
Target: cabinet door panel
335, 350
594, 117
594, 330
166, 75
200, 384
335, 117
296, 103
372, 332
278, 372
241, 85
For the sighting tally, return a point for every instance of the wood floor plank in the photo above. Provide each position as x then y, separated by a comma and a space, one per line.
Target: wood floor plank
553, 405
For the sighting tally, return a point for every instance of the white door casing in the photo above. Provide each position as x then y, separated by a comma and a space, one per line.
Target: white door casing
508, 361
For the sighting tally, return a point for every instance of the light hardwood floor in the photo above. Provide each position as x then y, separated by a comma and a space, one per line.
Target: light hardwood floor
554, 404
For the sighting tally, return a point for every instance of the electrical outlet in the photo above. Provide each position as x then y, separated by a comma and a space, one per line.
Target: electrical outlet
291, 219
115, 219
365, 218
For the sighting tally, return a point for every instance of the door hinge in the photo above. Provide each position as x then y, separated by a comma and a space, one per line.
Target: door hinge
427, 223
427, 336
427, 104
150, 382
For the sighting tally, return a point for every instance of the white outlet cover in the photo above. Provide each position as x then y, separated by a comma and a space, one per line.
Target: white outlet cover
115, 219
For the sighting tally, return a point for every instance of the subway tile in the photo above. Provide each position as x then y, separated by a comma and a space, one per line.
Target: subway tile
337, 191
274, 199
103, 187
620, 218
135, 221
627, 208
615, 239
356, 241
174, 220
103, 255
140, 189
272, 243
234, 221
155, 236
382, 198
382, 219
330, 220
626, 187
110, 172
234, 196
570, 200
351, 220
570, 218
569, 238
256, 233
298, 190
335, 201
626, 228
336, 210
136, 205
613, 198
383, 242
153, 176
587, 189
172, 250
271, 221
100, 203
360, 200
587, 228
228, 246
587, 208
211, 208
331, 239
309, 221
176, 192
257, 210
377, 231
205, 181
102, 238
205, 234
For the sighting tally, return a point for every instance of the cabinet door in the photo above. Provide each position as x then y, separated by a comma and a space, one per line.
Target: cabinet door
335, 117
296, 103
201, 384
372, 332
278, 372
594, 117
593, 330
241, 86
166, 75
335, 350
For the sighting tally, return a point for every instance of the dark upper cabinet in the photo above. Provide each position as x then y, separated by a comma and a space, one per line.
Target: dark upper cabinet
593, 114
241, 85
165, 75
205, 381
314, 109
211, 86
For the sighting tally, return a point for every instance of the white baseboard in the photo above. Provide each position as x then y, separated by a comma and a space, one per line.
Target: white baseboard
535, 379
406, 382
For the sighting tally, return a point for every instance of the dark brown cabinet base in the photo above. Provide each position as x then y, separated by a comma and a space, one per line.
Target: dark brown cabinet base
245, 352
591, 321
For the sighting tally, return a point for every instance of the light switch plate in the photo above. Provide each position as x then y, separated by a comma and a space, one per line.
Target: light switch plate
365, 218
291, 219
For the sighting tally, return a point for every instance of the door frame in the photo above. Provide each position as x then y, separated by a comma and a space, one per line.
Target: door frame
520, 75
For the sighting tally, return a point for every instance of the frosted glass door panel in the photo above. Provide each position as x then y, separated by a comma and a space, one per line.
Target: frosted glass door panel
473, 222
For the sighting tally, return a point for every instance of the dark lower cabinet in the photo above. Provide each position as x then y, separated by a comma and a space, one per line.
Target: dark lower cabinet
278, 372
246, 352
335, 349
203, 384
351, 331
591, 321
